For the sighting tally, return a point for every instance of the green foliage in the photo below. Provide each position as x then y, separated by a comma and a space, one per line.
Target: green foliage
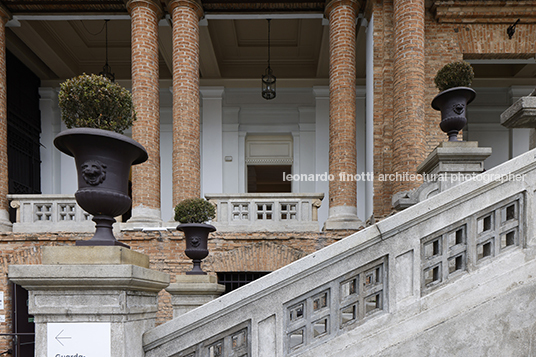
454, 74
94, 101
194, 210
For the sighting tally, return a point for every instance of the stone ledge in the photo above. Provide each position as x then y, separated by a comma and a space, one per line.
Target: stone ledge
93, 255
88, 277
522, 114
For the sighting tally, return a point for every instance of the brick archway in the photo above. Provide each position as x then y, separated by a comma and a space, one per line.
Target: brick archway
262, 256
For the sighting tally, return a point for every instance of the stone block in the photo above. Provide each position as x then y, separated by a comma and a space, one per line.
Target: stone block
521, 114
91, 255
191, 291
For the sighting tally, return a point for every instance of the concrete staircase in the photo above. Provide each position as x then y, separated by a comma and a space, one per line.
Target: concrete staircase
454, 275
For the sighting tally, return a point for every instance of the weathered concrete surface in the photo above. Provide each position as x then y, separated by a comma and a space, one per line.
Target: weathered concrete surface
191, 291
481, 315
124, 295
504, 326
90, 255
522, 114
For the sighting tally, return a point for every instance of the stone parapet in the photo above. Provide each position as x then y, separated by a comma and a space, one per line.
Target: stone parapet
254, 212
434, 263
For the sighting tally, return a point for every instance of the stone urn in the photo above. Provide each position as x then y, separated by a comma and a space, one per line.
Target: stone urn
103, 160
452, 103
196, 236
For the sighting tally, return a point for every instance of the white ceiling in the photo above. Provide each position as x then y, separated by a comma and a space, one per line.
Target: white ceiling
233, 50
230, 49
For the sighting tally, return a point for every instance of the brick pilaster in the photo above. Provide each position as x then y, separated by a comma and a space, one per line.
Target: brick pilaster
186, 118
5, 225
409, 147
342, 15
145, 15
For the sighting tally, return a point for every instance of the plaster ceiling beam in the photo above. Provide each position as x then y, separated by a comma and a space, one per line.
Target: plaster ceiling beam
26, 56
48, 17
208, 62
322, 70
360, 47
527, 71
264, 16
35, 36
165, 42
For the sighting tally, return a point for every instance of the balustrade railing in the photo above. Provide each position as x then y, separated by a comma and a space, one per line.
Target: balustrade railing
49, 213
266, 211
471, 234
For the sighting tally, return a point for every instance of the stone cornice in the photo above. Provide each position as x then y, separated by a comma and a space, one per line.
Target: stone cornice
484, 11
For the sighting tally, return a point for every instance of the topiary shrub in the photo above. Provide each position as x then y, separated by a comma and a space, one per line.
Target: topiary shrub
454, 74
194, 210
94, 101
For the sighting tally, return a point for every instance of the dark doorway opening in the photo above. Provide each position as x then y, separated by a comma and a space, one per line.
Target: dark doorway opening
23, 128
23, 323
269, 178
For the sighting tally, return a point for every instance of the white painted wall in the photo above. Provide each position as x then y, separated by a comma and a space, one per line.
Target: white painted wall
228, 116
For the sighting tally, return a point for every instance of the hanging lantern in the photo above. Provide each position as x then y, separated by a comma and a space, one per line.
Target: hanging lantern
107, 70
268, 78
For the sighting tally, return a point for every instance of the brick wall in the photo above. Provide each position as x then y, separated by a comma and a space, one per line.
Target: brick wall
383, 103
186, 117
342, 107
444, 42
228, 252
145, 15
408, 90
4, 186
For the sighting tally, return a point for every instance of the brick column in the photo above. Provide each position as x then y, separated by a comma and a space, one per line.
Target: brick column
186, 122
5, 224
145, 15
342, 15
408, 125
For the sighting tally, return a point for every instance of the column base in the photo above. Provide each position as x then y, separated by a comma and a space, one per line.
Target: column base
5, 224
191, 291
343, 218
143, 217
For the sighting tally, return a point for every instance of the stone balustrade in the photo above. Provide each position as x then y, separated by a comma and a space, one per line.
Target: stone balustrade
49, 213
266, 211
433, 264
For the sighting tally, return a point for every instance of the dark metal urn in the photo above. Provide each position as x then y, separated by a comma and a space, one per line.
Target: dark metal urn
103, 159
196, 235
453, 106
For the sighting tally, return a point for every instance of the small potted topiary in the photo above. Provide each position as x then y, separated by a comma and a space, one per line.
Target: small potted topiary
96, 111
193, 213
453, 81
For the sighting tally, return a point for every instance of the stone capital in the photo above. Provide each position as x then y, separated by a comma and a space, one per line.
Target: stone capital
151, 4
192, 4
332, 4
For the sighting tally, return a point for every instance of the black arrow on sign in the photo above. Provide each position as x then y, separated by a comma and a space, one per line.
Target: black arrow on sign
58, 338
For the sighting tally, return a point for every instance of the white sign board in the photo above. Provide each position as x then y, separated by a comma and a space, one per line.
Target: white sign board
1, 300
87, 339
